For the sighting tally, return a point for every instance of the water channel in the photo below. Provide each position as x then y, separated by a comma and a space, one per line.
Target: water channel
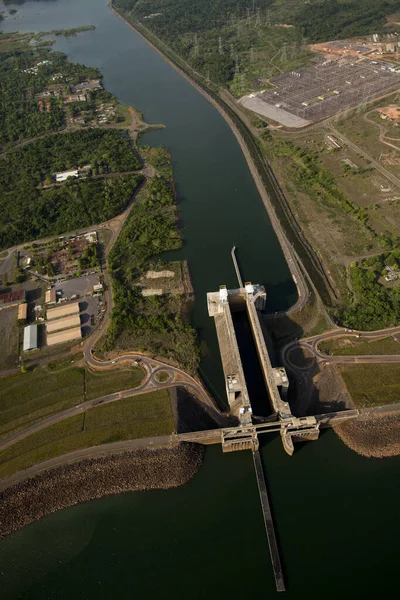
335, 511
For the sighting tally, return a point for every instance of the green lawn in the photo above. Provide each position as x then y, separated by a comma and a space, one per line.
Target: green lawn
353, 346
372, 385
135, 417
102, 383
28, 398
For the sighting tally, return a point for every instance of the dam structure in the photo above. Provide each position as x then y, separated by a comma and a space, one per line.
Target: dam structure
222, 306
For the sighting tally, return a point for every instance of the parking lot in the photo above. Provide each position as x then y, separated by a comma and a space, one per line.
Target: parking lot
79, 286
81, 289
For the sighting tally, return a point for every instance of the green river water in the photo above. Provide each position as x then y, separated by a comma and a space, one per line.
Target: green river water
336, 513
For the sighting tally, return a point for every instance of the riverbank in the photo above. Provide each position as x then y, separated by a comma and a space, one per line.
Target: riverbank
373, 435
139, 470
230, 116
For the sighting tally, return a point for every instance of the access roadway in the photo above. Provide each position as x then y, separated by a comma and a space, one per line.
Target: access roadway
311, 344
153, 369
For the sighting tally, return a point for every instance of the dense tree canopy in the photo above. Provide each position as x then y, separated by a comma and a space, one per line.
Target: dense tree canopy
20, 116
74, 205
237, 37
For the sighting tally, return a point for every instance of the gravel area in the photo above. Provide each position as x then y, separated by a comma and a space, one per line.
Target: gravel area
142, 469
372, 435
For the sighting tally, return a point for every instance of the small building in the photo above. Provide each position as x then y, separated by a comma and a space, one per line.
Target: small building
10, 298
97, 288
333, 143
63, 175
22, 311
51, 297
60, 337
63, 311
30, 338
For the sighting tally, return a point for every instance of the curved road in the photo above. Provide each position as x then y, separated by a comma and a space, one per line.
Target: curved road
311, 344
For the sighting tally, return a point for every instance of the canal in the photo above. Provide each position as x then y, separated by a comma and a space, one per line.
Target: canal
335, 511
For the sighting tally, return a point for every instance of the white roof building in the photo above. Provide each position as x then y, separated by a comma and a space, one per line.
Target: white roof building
63, 175
30, 338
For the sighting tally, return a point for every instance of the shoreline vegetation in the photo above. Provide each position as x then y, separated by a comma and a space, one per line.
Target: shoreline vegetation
160, 324
89, 479
299, 255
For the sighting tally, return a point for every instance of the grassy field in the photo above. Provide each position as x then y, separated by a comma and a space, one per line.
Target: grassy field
136, 417
365, 135
351, 346
326, 224
30, 397
9, 335
372, 385
106, 382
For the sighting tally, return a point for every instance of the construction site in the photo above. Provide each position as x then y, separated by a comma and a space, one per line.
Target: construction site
322, 90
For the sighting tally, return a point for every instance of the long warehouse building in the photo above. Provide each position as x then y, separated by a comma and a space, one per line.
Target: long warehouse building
63, 311
30, 337
64, 323
67, 335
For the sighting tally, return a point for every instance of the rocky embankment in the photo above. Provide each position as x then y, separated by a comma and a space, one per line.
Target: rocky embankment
373, 435
144, 469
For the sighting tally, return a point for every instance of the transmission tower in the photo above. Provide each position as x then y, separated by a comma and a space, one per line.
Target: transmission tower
258, 19
268, 18
248, 15
220, 49
232, 52
252, 54
284, 54
208, 77
196, 45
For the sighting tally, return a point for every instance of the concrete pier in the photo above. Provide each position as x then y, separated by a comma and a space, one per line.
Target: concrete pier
269, 524
235, 264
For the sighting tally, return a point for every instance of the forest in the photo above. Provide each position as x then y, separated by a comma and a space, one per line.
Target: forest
108, 150
74, 205
28, 210
374, 306
20, 117
155, 324
241, 44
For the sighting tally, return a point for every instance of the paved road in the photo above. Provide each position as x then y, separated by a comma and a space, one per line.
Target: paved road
176, 378
311, 344
306, 373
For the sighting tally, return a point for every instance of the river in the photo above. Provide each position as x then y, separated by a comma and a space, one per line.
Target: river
335, 511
